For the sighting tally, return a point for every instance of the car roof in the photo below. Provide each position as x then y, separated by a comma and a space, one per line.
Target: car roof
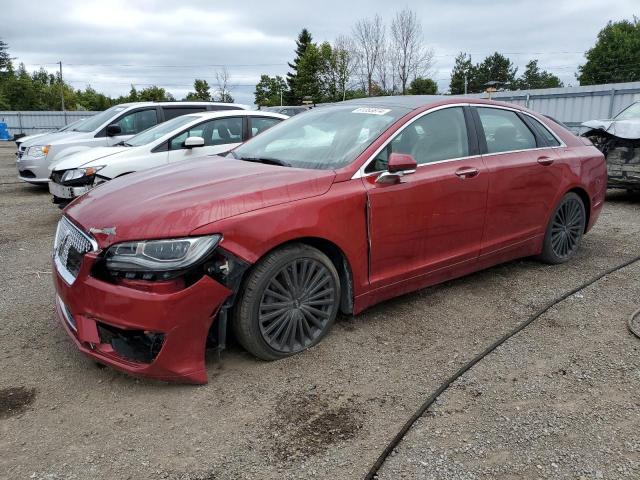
234, 113
182, 104
413, 102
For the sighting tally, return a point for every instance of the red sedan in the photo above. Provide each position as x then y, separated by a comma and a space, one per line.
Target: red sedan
331, 211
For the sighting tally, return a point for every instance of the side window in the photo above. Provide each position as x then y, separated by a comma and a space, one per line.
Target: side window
220, 131
173, 112
440, 135
549, 138
260, 124
504, 131
137, 121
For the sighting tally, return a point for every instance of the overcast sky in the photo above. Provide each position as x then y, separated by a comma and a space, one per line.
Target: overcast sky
112, 44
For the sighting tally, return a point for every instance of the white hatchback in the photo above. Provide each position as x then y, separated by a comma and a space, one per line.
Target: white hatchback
182, 138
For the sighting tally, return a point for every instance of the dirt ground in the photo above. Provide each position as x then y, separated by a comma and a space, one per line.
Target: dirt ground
559, 400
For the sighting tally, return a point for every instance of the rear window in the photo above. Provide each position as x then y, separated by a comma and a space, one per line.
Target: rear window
173, 112
549, 138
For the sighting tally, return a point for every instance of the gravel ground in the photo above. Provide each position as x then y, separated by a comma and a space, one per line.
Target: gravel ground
557, 401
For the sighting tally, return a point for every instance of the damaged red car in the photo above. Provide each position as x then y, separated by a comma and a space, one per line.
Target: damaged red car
331, 211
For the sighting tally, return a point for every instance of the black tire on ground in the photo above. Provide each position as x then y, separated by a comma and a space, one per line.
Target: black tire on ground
287, 303
565, 230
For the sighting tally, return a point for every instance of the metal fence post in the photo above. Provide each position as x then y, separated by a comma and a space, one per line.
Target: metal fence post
611, 99
20, 121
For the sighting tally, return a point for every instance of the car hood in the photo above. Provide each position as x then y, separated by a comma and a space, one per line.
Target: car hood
174, 200
28, 138
87, 156
629, 129
49, 138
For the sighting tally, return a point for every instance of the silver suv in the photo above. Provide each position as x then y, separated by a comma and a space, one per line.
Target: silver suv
107, 128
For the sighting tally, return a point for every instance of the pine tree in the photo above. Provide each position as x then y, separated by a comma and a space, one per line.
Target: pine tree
533, 77
462, 68
302, 43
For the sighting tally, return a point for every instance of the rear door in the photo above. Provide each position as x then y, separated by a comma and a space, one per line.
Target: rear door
524, 178
433, 219
220, 135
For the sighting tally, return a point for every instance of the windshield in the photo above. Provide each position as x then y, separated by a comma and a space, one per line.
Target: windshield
154, 133
324, 138
72, 125
632, 112
91, 123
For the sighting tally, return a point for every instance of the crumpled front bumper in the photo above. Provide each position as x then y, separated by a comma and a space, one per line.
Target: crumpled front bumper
183, 317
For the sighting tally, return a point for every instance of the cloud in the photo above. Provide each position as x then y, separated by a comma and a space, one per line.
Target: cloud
111, 45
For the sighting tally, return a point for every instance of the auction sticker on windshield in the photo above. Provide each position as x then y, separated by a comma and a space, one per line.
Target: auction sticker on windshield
372, 111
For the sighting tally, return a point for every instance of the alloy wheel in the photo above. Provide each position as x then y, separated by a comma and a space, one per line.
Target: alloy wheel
567, 228
297, 305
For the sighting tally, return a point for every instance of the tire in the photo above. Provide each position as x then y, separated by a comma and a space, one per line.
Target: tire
565, 230
287, 303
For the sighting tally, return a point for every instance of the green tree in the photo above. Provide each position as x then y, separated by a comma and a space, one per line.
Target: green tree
133, 96
533, 77
202, 91
423, 86
309, 81
5, 58
495, 68
616, 55
462, 69
89, 99
302, 43
153, 94
269, 89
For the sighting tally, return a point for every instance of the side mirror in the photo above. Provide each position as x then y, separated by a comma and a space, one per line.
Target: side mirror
192, 142
400, 164
113, 130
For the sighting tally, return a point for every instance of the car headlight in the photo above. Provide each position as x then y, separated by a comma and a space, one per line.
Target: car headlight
78, 173
159, 259
38, 151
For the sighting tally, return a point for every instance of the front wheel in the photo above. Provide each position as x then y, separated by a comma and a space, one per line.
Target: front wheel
288, 302
565, 230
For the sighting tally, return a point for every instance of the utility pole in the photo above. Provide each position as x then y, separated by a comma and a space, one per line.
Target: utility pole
62, 93
280, 96
465, 83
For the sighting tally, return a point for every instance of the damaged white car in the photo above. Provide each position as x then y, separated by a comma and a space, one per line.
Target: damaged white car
619, 140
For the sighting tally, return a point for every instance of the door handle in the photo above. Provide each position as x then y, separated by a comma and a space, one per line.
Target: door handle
467, 172
544, 160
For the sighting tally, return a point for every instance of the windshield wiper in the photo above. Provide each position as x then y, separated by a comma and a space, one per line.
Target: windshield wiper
267, 160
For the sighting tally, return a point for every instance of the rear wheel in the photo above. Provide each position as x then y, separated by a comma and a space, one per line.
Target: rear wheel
288, 302
565, 230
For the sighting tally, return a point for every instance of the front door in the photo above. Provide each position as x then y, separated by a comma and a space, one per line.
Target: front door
434, 218
220, 135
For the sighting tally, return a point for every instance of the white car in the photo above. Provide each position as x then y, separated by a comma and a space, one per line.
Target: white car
185, 137
112, 126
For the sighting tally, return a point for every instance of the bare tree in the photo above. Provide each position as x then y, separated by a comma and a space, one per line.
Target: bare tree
345, 63
412, 57
369, 39
223, 80
383, 68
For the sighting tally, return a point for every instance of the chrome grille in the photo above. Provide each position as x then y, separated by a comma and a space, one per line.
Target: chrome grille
69, 248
